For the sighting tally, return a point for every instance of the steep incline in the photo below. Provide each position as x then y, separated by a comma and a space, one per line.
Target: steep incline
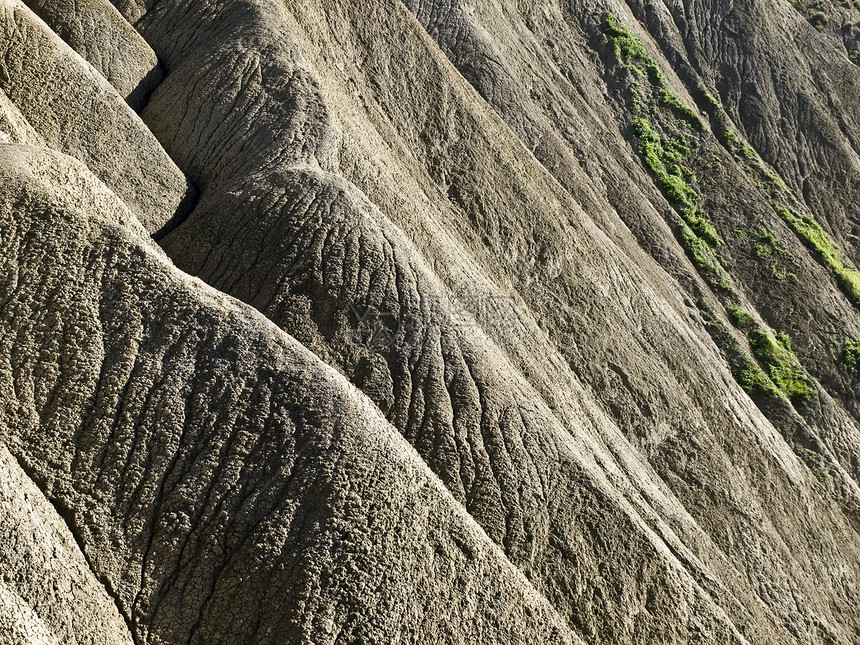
786, 283
536, 240
78, 112
324, 253
223, 482
48, 593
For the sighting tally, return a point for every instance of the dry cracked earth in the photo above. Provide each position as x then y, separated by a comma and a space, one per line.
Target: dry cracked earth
430, 321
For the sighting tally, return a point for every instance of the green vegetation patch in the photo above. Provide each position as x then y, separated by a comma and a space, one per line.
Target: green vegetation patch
774, 353
738, 148
629, 49
664, 126
664, 156
753, 379
705, 259
781, 274
765, 247
813, 460
631, 53
745, 370
851, 356
815, 12
817, 239
670, 99
804, 225
741, 318
711, 99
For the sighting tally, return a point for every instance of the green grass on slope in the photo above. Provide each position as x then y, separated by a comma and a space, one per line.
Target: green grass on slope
629, 48
851, 356
765, 247
815, 237
631, 53
668, 132
774, 353
664, 126
804, 225
745, 370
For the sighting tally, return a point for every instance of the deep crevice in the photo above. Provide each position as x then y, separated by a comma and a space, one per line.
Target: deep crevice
139, 97
183, 211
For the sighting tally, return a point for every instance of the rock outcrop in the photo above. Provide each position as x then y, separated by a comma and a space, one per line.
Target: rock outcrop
429, 322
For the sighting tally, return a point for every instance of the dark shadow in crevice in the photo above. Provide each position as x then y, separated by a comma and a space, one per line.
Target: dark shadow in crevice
185, 208
139, 96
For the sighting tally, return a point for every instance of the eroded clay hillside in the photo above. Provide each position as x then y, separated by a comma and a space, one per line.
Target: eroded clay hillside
405, 321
